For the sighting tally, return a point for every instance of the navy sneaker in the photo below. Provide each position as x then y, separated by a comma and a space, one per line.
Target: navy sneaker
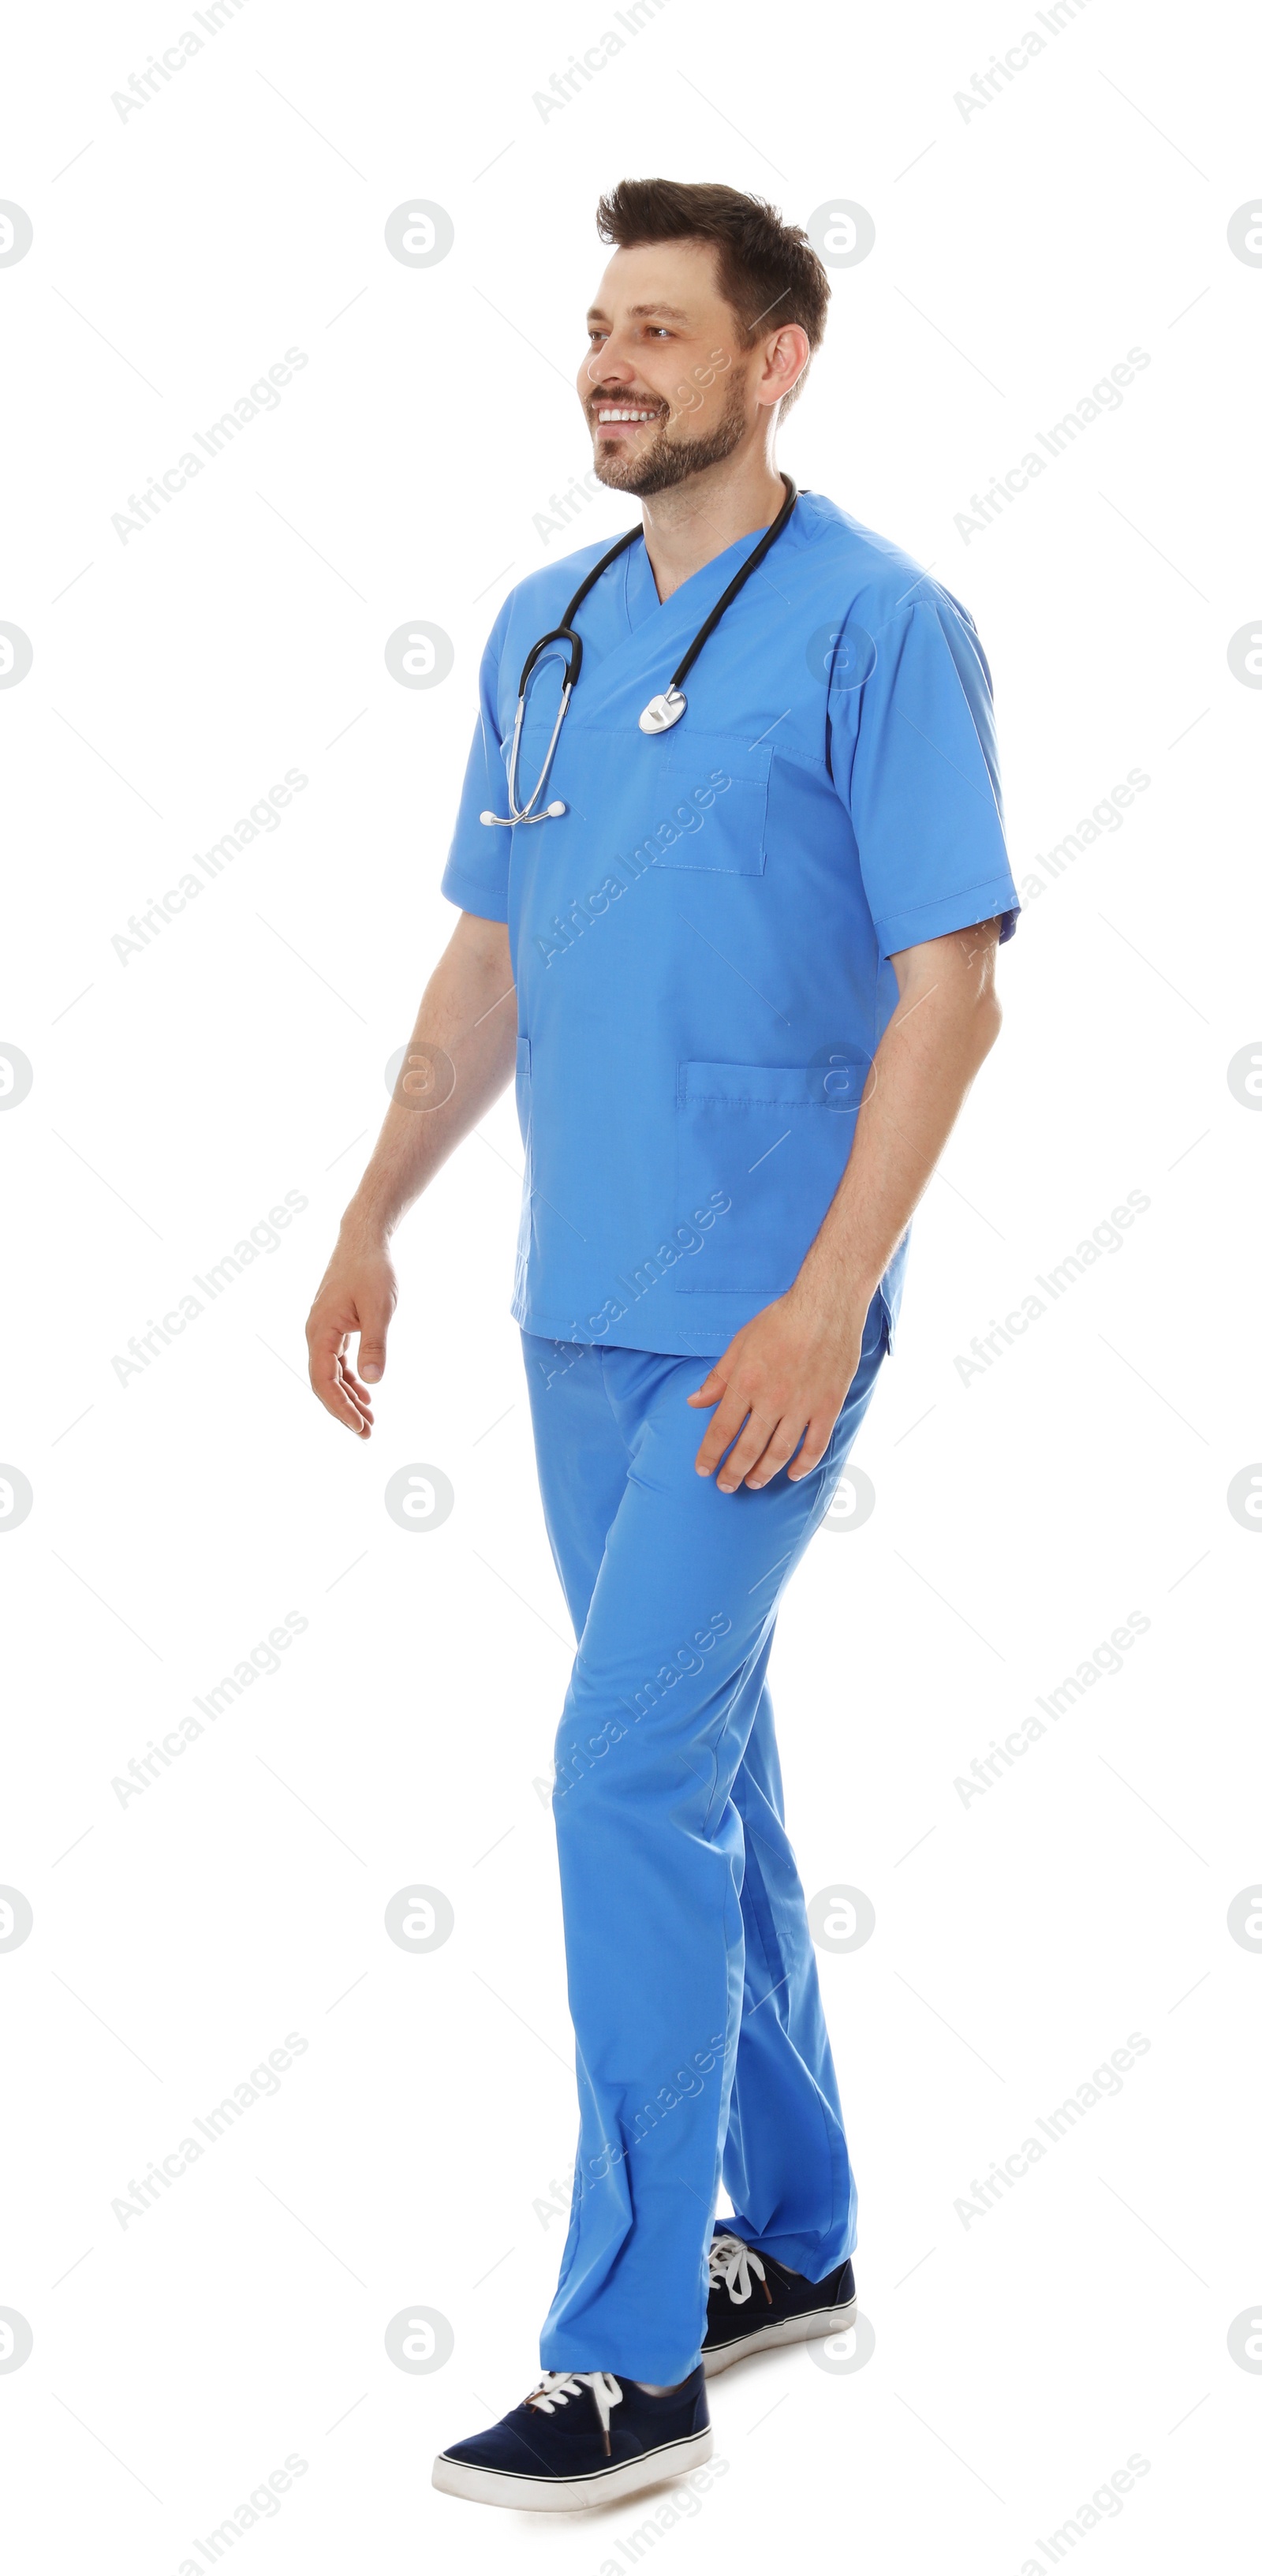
757, 2304
582, 2437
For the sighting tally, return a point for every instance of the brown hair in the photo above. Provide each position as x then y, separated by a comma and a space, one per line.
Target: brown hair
765, 269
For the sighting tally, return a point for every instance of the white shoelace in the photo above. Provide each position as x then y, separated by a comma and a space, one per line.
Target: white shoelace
731, 2263
556, 2386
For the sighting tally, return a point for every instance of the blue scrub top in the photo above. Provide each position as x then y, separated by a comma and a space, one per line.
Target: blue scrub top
701, 943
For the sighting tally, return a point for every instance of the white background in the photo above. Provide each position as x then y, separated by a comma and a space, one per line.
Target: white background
411, 2152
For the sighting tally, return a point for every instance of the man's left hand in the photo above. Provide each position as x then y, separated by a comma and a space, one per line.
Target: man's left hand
786, 1373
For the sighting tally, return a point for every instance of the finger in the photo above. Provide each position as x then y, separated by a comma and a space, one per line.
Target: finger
348, 1374
818, 1435
339, 1404
719, 1376
778, 1451
374, 1323
355, 1394
710, 1389
747, 1452
324, 1368
721, 1432
324, 1349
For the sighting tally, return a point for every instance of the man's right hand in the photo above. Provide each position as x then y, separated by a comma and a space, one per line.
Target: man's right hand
358, 1294
464, 1043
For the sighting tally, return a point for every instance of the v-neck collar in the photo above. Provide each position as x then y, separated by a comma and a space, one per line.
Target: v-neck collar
640, 589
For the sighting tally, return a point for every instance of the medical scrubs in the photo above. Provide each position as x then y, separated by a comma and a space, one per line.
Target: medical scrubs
701, 946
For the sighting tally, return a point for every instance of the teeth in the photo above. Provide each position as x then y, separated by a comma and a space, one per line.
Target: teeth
624, 415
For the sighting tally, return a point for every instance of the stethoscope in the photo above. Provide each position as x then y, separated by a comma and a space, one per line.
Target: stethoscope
661, 712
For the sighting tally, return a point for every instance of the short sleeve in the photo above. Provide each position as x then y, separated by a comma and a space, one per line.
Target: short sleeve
923, 790
476, 873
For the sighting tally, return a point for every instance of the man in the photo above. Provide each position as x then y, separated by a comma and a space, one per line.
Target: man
734, 926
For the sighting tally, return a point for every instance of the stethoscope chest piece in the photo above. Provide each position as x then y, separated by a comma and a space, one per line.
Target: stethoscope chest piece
663, 712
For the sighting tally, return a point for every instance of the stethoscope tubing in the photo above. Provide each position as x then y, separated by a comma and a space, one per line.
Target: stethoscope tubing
566, 635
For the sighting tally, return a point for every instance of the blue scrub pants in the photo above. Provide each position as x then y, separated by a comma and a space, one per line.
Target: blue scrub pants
701, 2045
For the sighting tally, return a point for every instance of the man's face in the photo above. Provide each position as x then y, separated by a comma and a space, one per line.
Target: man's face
664, 386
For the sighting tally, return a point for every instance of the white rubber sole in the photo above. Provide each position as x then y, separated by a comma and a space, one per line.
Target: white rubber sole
806, 2329
572, 2495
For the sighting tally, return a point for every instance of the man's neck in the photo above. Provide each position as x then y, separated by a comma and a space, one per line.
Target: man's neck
688, 525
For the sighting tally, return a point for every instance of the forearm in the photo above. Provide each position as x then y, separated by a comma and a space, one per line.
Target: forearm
946, 1021
458, 1061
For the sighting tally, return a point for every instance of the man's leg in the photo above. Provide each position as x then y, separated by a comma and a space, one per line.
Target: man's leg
786, 2166
582, 1460
662, 1704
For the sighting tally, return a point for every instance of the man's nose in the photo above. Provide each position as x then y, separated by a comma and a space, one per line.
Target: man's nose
609, 368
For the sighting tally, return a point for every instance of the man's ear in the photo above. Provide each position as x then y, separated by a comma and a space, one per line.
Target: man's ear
787, 357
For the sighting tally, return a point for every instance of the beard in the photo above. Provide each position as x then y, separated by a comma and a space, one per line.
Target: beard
667, 459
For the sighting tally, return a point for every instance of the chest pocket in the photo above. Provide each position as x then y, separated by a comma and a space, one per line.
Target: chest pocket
713, 802
685, 799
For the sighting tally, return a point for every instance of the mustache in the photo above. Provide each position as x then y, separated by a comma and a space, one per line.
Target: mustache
617, 401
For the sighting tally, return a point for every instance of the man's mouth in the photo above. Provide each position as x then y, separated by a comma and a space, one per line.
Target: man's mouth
617, 419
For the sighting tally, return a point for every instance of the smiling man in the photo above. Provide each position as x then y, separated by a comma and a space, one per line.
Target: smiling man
731, 875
